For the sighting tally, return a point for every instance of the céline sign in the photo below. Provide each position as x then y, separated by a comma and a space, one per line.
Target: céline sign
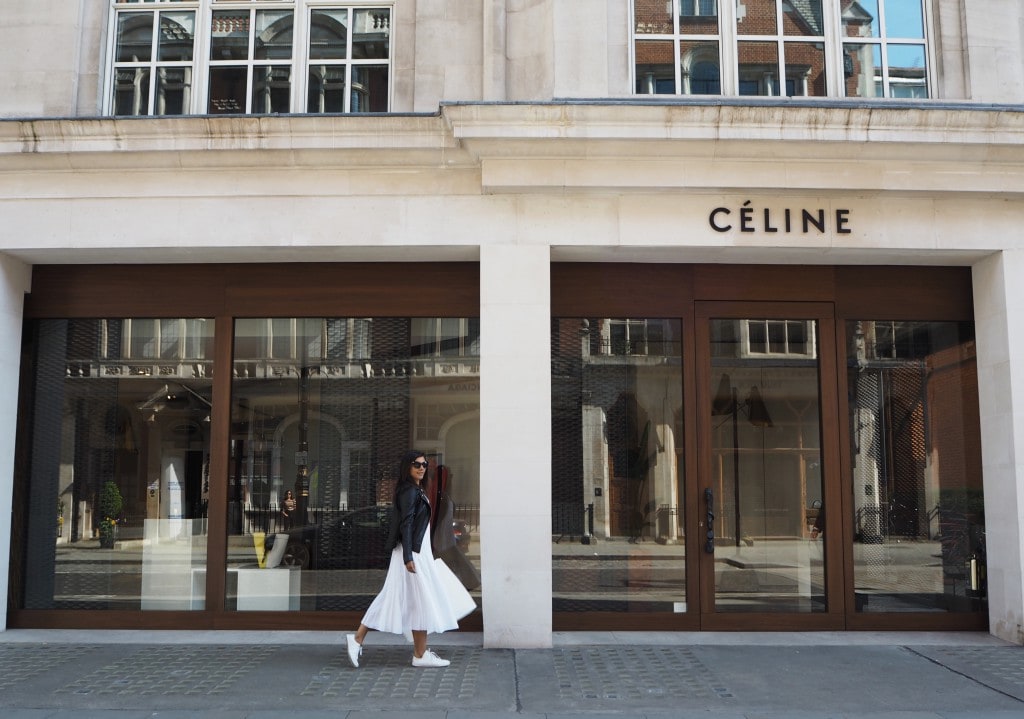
750, 219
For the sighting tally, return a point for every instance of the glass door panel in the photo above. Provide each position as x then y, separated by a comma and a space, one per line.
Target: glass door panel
617, 488
764, 491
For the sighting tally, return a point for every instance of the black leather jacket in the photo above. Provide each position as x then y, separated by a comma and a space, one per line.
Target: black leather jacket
410, 520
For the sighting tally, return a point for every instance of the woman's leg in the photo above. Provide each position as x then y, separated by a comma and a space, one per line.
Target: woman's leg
362, 631
419, 642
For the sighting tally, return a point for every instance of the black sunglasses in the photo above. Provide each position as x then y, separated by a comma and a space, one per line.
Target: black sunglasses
420, 465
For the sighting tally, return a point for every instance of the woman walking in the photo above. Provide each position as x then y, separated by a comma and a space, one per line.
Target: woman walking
420, 595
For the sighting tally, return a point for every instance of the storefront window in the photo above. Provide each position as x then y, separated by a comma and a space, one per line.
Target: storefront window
617, 492
119, 456
322, 410
919, 521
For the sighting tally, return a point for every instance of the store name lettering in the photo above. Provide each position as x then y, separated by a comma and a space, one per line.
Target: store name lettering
751, 219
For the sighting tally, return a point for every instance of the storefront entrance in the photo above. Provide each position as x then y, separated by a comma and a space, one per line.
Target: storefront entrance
764, 464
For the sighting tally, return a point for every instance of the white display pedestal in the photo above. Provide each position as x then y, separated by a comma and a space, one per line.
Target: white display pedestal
268, 589
171, 555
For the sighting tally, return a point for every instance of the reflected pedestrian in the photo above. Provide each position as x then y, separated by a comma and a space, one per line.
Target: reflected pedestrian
420, 594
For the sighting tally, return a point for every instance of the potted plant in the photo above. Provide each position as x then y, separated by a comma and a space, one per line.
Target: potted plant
110, 509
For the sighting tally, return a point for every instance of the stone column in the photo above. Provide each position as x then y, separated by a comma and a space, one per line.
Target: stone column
515, 445
999, 321
15, 281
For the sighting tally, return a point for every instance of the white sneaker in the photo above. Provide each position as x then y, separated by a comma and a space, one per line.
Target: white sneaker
354, 649
428, 660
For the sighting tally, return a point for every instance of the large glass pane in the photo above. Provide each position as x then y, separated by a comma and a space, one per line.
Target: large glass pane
919, 518
328, 35
700, 68
119, 467
652, 17
766, 481
617, 486
173, 91
134, 37
756, 17
271, 88
327, 422
131, 91
371, 33
326, 91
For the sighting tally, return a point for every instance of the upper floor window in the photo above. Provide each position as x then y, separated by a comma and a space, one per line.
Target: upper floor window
790, 48
175, 57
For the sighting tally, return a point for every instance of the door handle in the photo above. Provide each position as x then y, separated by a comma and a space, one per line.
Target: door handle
709, 500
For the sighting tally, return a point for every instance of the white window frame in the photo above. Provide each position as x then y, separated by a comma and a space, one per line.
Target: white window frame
201, 64
728, 37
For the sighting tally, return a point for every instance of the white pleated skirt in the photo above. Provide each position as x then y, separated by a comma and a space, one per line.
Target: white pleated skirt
432, 599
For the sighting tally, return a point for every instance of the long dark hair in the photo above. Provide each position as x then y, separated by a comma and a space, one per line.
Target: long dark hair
403, 469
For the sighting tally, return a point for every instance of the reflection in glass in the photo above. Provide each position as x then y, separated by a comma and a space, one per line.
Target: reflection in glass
326, 91
229, 35
907, 71
862, 66
273, 40
904, 19
756, 17
134, 37
131, 91
119, 464
177, 36
369, 91
655, 67
758, 68
766, 478
700, 71
915, 446
371, 34
803, 18
698, 17
324, 407
271, 88
328, 35
860, 19
616, 477
805, 69
652, 17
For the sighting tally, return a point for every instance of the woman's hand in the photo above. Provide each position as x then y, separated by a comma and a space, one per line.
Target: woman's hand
410, 566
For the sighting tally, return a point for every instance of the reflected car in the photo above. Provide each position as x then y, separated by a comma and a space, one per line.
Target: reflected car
355, 539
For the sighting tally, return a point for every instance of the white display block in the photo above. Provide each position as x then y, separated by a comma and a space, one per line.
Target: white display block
268, 589
170, 556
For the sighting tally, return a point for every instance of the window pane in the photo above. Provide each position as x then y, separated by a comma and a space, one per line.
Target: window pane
174, 90
119, 472
273, 39
698, 17
131, 91
652, 17
860, 19
904, 19
134, 37
331, 433
617, 454
177, 35
918, 504
227, 90
369, 88
328, 35
907, 74
230, 35
862, 67
759, 68
700, 68
371, 34
805, 69
802, 18
655, 67
271, 88
756, 17
326, 91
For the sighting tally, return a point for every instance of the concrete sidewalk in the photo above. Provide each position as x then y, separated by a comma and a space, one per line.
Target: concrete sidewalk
237, 675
